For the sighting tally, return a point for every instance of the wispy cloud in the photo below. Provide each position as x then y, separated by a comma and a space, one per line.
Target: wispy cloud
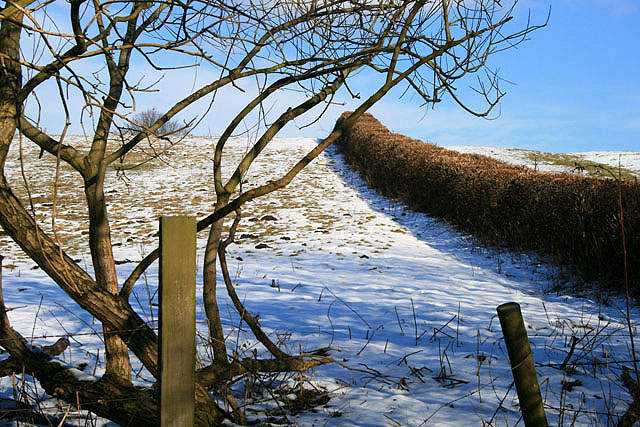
620, 7
557, 128
634, 123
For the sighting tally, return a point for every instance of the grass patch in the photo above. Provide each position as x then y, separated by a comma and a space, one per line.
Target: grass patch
578, 164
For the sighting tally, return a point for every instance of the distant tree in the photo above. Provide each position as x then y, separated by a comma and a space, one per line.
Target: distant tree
144, 120
316, 49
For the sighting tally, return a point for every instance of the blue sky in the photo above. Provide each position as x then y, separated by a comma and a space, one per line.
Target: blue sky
576, 87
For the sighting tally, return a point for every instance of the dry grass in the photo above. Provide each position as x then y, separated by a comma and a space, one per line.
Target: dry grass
156, 179
578, 164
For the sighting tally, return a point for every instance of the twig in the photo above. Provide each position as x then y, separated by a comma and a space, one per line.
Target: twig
501, 402
369, 340
626, 285
398, 318
35, 319
404, 358
436, 331
415, 322
249, 320
574, 341
479, 363
392, 420
333, 331
346, 305
458, 326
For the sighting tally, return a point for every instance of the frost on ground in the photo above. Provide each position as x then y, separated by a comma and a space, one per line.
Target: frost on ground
403, 302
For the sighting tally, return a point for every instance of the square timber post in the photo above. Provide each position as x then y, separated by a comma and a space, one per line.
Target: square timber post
177, 323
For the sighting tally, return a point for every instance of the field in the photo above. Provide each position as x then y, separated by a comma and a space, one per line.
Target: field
404, 302
625, 164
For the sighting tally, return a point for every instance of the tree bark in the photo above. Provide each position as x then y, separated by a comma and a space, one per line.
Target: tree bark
107, 308
216, 373
10, 81
209, 291
116, 351
106, 397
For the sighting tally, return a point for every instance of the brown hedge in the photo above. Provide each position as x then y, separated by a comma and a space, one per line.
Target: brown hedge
573, 218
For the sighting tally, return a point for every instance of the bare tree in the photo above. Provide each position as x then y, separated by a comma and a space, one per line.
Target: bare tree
143, 120
315, 48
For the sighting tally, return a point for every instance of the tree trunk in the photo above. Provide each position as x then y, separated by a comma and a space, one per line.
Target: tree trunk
107, 397
10, 83
116, 351
107, 308
209, 291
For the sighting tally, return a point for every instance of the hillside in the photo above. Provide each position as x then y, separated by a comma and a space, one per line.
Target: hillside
404, 302
593, 163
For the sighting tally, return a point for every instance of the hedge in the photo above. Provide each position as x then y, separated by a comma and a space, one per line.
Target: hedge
573, 218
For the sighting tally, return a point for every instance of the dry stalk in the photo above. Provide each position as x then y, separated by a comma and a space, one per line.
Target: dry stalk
415, 322
398, 319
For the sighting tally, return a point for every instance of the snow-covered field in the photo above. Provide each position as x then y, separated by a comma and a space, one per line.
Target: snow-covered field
543, 161
404, 302
626, 159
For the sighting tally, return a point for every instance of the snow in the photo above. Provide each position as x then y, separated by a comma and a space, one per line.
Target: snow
627, 159
80, 375
508, 155
405, 303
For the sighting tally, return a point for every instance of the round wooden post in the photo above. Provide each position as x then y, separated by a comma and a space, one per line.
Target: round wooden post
522, 366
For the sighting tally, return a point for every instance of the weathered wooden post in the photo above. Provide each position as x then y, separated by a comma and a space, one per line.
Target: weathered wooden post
177, 321
522, 366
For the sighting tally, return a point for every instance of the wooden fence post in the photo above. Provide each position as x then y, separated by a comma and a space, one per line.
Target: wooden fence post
522, 366
177, 320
